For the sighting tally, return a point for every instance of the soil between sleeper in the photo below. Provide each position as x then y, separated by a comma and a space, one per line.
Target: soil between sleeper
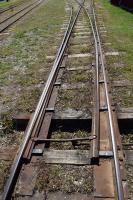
65, 178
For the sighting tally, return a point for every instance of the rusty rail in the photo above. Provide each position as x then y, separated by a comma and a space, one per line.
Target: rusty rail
36, 121
100, 64
95, 123
65, 140
100, 61
113, 139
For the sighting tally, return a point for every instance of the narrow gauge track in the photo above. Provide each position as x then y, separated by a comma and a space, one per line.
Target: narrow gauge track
12, 18
6, 9
101, 78
3, 10
40, 112
104, 135
102, 105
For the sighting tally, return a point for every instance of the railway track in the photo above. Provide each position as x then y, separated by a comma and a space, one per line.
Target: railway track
104, 105
3, 10
6, 9
105, 153
10, 16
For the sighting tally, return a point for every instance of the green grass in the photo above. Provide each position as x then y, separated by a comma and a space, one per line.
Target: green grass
23, 57
79, 61
119, 24
5, 4
31, 41
80, 76
75, 49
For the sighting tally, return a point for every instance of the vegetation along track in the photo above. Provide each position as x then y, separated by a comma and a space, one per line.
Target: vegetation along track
10, 7
9, 17
80, 150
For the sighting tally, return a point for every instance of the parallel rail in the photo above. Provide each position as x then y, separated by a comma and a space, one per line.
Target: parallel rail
37, 119
7, 9
7, 22
100, 60
36, 122
3, 10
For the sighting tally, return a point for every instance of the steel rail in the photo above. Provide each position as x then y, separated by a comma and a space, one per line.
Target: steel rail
7, 9
24, 8
43, 109
20, 11
41, 106
96, 117
112, 132
42, 112
56, 63
3, 10
65, 36
113, 139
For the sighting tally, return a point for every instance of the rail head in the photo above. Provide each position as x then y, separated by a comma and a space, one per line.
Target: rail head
40, 106
95, 125
97, 40
120, 191
98, 50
